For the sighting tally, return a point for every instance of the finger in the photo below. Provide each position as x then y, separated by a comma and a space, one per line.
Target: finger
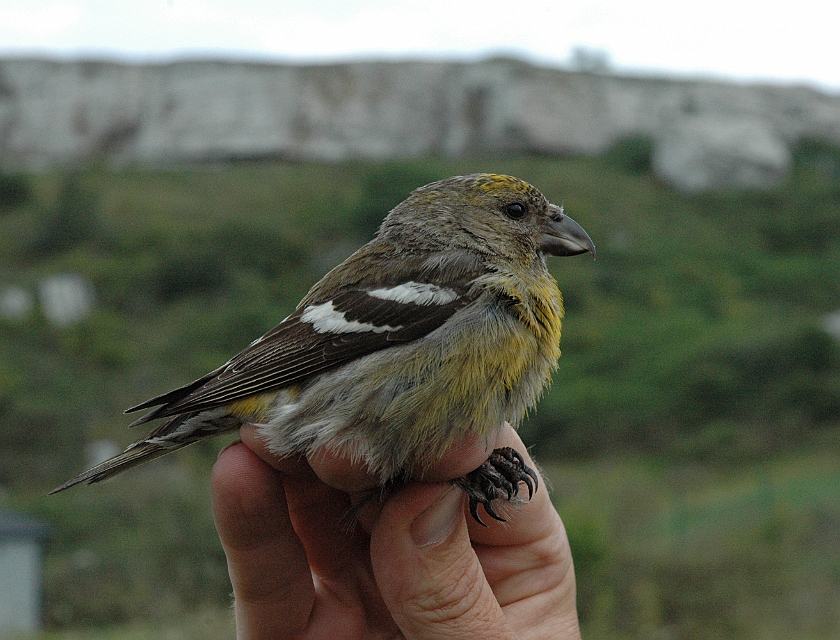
527, 559
445, 593
318, 512
271, 579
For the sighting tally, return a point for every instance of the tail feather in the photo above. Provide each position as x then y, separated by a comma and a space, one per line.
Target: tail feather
171, 435
133, 456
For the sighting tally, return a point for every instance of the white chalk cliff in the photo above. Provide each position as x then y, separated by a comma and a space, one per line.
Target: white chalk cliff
706, 135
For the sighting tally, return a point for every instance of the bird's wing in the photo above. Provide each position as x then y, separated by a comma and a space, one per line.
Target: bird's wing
316, 338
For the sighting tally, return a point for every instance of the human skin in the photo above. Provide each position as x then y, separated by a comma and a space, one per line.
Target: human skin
416, 566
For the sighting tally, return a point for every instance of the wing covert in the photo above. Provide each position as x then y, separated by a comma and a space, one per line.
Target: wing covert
317, 338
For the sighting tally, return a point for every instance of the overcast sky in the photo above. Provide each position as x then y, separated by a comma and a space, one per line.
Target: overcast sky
768, 40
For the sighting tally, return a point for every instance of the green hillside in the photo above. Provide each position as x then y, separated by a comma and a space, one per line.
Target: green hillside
694, 341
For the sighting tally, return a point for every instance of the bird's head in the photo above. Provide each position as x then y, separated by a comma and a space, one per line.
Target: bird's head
489, 214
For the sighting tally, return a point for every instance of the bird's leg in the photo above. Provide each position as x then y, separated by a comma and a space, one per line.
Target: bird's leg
498, 477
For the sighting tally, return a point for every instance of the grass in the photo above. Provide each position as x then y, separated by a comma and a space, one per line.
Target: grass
206, 624
697, 552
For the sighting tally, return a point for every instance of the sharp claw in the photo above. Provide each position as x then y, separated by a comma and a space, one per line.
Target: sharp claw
532, 474
488, 507
528, 483
474, 512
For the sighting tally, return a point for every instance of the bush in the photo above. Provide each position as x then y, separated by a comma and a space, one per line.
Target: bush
72, 221
15, 191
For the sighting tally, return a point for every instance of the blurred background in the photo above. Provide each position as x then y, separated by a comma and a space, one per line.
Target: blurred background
175, 175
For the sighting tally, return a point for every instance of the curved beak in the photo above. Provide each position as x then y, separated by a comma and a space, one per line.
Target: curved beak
562, 236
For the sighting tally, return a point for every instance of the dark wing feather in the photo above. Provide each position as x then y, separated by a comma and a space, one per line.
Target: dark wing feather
293, 351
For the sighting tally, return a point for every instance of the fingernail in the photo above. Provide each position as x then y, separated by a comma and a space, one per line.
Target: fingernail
436, 523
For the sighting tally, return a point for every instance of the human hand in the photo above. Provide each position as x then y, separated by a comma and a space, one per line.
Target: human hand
416, 569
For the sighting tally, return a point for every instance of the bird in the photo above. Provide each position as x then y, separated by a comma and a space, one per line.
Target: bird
445, 325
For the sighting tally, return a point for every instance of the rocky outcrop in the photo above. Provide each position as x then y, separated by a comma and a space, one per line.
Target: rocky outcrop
706, 135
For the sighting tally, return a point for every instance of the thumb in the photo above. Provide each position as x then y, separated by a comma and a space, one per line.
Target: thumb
426, 569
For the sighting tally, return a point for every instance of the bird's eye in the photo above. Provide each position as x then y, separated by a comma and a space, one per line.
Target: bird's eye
515, 210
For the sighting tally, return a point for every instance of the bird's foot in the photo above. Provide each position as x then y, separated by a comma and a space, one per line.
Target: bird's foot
498, 477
